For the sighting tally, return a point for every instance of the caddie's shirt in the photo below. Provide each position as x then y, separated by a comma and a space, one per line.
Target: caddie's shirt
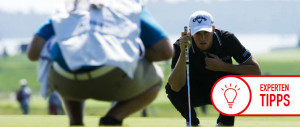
225, 46
151, 32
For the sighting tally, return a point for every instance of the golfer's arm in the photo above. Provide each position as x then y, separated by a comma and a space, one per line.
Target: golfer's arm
35, 48
177, 77
162, 50
251, 67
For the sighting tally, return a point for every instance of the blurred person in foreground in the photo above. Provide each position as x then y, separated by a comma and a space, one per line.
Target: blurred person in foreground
23, 96
210, 58
104, 50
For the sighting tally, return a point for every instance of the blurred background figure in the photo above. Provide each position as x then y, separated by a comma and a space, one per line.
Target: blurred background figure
55, 106
4, 54
23, 96
149, 111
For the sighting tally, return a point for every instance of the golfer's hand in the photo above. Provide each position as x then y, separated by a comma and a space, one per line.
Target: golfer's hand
214, 63
184, 41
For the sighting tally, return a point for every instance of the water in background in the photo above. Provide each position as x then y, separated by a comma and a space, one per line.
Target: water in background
259, 43
12, 45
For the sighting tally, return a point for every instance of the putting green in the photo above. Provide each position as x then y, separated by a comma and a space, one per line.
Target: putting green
92, 121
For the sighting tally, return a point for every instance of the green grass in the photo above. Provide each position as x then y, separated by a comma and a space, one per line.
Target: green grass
161, 107
281, 62
12, 69
92, 121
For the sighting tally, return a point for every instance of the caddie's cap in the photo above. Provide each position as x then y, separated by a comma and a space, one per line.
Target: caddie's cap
23, 82
201, 21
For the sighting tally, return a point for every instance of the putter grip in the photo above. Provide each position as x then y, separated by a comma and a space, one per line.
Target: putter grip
186, 48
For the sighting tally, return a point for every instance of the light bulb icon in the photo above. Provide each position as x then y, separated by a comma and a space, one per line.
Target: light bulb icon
230, 94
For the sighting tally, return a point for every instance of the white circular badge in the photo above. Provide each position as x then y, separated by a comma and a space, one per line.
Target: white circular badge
231, 95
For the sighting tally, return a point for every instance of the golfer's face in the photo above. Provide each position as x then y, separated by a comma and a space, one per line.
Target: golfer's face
203, 39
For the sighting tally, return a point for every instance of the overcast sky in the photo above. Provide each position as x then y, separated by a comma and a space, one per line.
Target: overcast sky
28, 6
268, 15
48, 6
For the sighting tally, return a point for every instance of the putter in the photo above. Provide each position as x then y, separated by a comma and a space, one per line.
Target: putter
188, 77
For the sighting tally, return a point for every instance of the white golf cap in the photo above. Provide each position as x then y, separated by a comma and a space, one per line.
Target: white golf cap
23, 82
201, 21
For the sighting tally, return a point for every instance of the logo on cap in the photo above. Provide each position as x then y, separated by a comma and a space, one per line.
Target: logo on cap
199, 19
